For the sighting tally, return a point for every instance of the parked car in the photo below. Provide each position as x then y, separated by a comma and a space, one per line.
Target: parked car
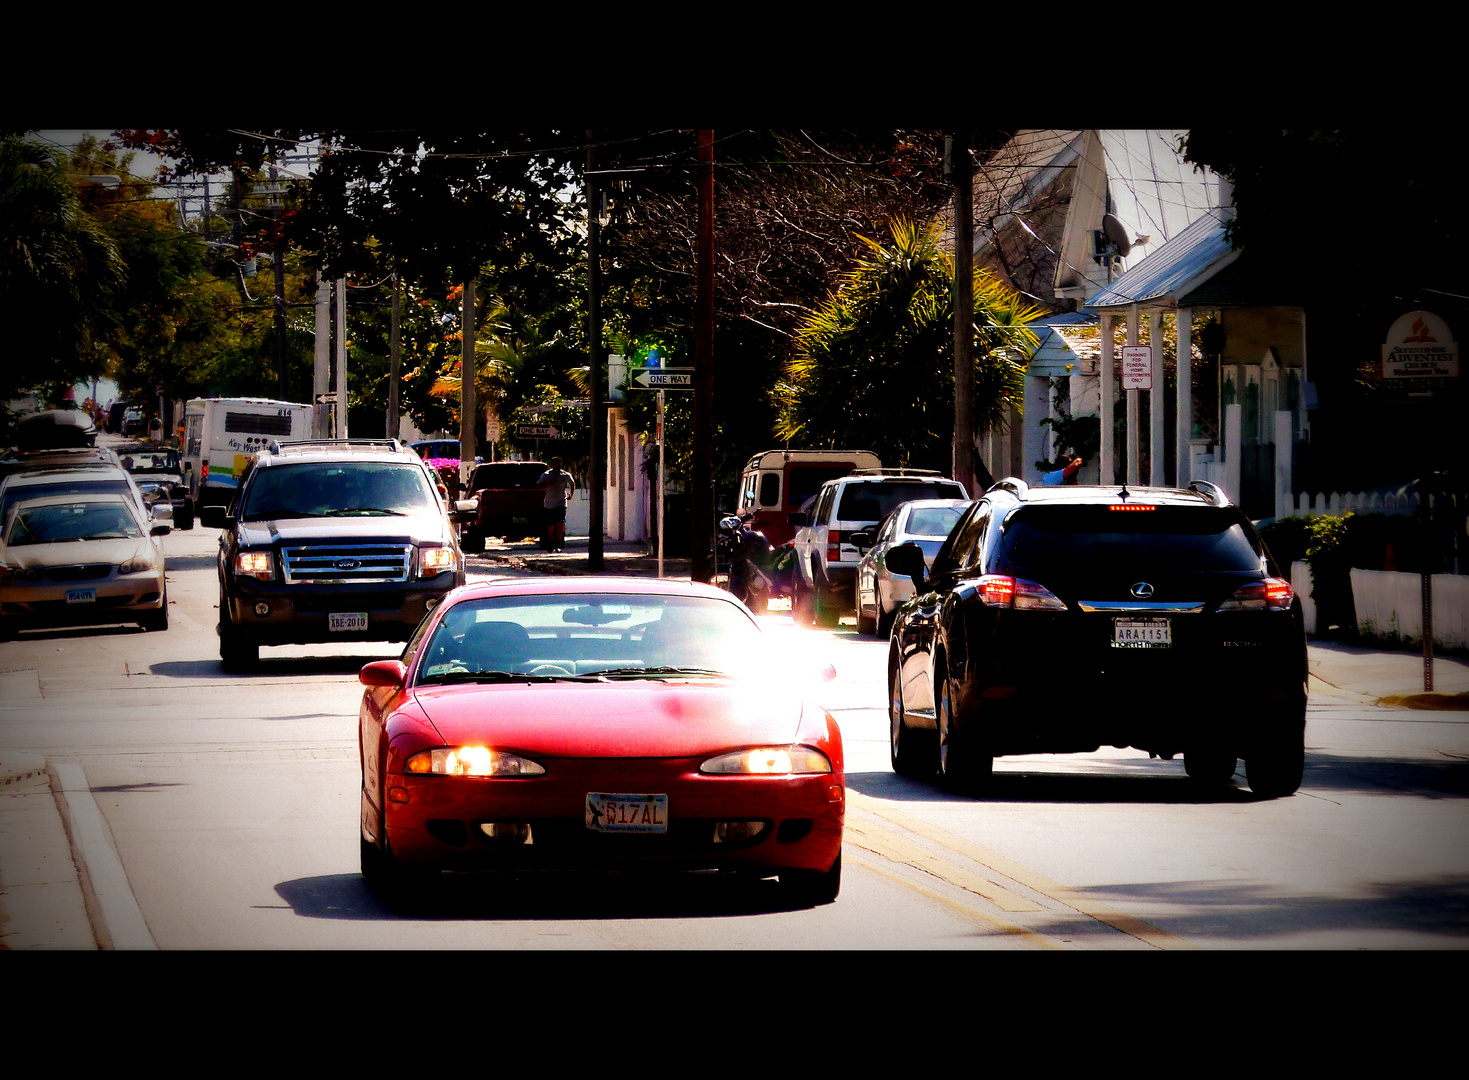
826, 548
925, 522
508, 500
331, 541
31, 460
1064, 619
78, 479
595, 723
68, 560
134, 422
158, 472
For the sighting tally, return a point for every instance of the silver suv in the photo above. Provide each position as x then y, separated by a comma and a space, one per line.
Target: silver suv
827, 549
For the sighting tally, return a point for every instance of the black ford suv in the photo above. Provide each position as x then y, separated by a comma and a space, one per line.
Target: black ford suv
330, 541
1064, 619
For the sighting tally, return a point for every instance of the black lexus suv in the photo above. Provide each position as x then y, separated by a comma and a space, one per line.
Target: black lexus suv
336, 540
1064, 619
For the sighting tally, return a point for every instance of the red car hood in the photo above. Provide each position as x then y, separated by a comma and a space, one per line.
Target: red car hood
636, 718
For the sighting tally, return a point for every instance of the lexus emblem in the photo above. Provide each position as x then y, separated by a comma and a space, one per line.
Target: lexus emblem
353, 564
1142, 590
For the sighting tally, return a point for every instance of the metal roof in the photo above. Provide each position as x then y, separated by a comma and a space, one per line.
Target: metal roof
1185, 262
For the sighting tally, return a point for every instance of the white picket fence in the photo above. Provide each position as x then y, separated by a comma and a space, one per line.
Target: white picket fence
1338, 504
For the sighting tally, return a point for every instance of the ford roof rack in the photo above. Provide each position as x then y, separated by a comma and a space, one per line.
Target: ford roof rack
277, 446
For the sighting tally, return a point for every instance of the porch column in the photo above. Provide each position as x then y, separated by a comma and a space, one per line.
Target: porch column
1134, 440
1157, 414
1105, 384
1184, 429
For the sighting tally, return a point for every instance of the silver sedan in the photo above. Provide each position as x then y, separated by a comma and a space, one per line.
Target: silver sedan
69, 560
925, 522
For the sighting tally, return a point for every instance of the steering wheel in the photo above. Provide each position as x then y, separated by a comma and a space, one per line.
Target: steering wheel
550, 669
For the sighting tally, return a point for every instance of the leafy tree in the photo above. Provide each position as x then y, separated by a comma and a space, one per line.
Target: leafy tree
874, 365
59, 272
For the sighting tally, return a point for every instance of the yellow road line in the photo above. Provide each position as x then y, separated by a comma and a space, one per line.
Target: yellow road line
966, 911
881, 842
1103, 913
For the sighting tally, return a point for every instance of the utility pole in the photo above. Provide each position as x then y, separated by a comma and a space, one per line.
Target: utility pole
280, 284
702, 501
341, 346
959, 168
596, 479
321, 373
395, 356
467, 404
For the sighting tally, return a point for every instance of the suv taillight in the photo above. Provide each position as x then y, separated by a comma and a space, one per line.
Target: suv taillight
1001, 590
834, 546
1272, 594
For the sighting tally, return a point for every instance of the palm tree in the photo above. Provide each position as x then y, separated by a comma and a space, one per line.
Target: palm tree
874, 364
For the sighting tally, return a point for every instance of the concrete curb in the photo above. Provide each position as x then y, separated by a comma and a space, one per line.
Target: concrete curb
117, 921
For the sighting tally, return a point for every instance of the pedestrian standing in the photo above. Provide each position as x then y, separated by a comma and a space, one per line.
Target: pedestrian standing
558, 486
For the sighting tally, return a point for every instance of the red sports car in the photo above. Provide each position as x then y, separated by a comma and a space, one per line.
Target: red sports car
596, 723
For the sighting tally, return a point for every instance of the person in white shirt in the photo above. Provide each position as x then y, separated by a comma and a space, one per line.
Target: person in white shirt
558, 485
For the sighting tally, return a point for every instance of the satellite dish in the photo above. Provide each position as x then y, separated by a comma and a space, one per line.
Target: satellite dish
1116, 233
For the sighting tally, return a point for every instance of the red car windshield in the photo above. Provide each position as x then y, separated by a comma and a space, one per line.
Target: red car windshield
592, 634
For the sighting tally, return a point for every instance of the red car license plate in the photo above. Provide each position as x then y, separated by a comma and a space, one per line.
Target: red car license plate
608, 812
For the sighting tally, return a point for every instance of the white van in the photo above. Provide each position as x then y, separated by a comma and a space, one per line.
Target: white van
222, 435
775, 483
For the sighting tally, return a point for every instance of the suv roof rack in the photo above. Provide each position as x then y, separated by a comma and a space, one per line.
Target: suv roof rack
1013, 484
895, 472
1212, 492
276, 446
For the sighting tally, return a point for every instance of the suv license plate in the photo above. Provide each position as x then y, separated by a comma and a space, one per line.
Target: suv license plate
347, 620
81, 596
627, 813
1141, 634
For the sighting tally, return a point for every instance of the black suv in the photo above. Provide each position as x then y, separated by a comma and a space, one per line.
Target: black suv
330, 541
1064, 619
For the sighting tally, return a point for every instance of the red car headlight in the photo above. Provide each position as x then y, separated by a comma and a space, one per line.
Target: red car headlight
470, 761
768, 761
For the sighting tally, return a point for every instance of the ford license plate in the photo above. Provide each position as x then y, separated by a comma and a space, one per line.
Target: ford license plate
81, 596
347, 620
611, 813
1141, 634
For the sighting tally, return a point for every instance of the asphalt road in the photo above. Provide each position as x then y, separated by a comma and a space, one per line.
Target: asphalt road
230, 803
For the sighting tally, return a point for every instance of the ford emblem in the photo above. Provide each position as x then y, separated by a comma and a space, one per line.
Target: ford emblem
1142, 590
353, 564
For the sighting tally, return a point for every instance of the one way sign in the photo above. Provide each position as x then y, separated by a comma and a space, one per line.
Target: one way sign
664, 378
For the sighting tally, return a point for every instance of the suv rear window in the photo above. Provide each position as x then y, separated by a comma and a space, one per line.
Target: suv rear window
335, 489
1038, 538
873, 502
502, 475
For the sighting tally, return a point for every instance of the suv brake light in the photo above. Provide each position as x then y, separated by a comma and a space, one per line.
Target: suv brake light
1273, 594
834, 546
1001, 590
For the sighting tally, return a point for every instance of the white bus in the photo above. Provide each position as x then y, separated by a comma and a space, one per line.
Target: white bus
221, 435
